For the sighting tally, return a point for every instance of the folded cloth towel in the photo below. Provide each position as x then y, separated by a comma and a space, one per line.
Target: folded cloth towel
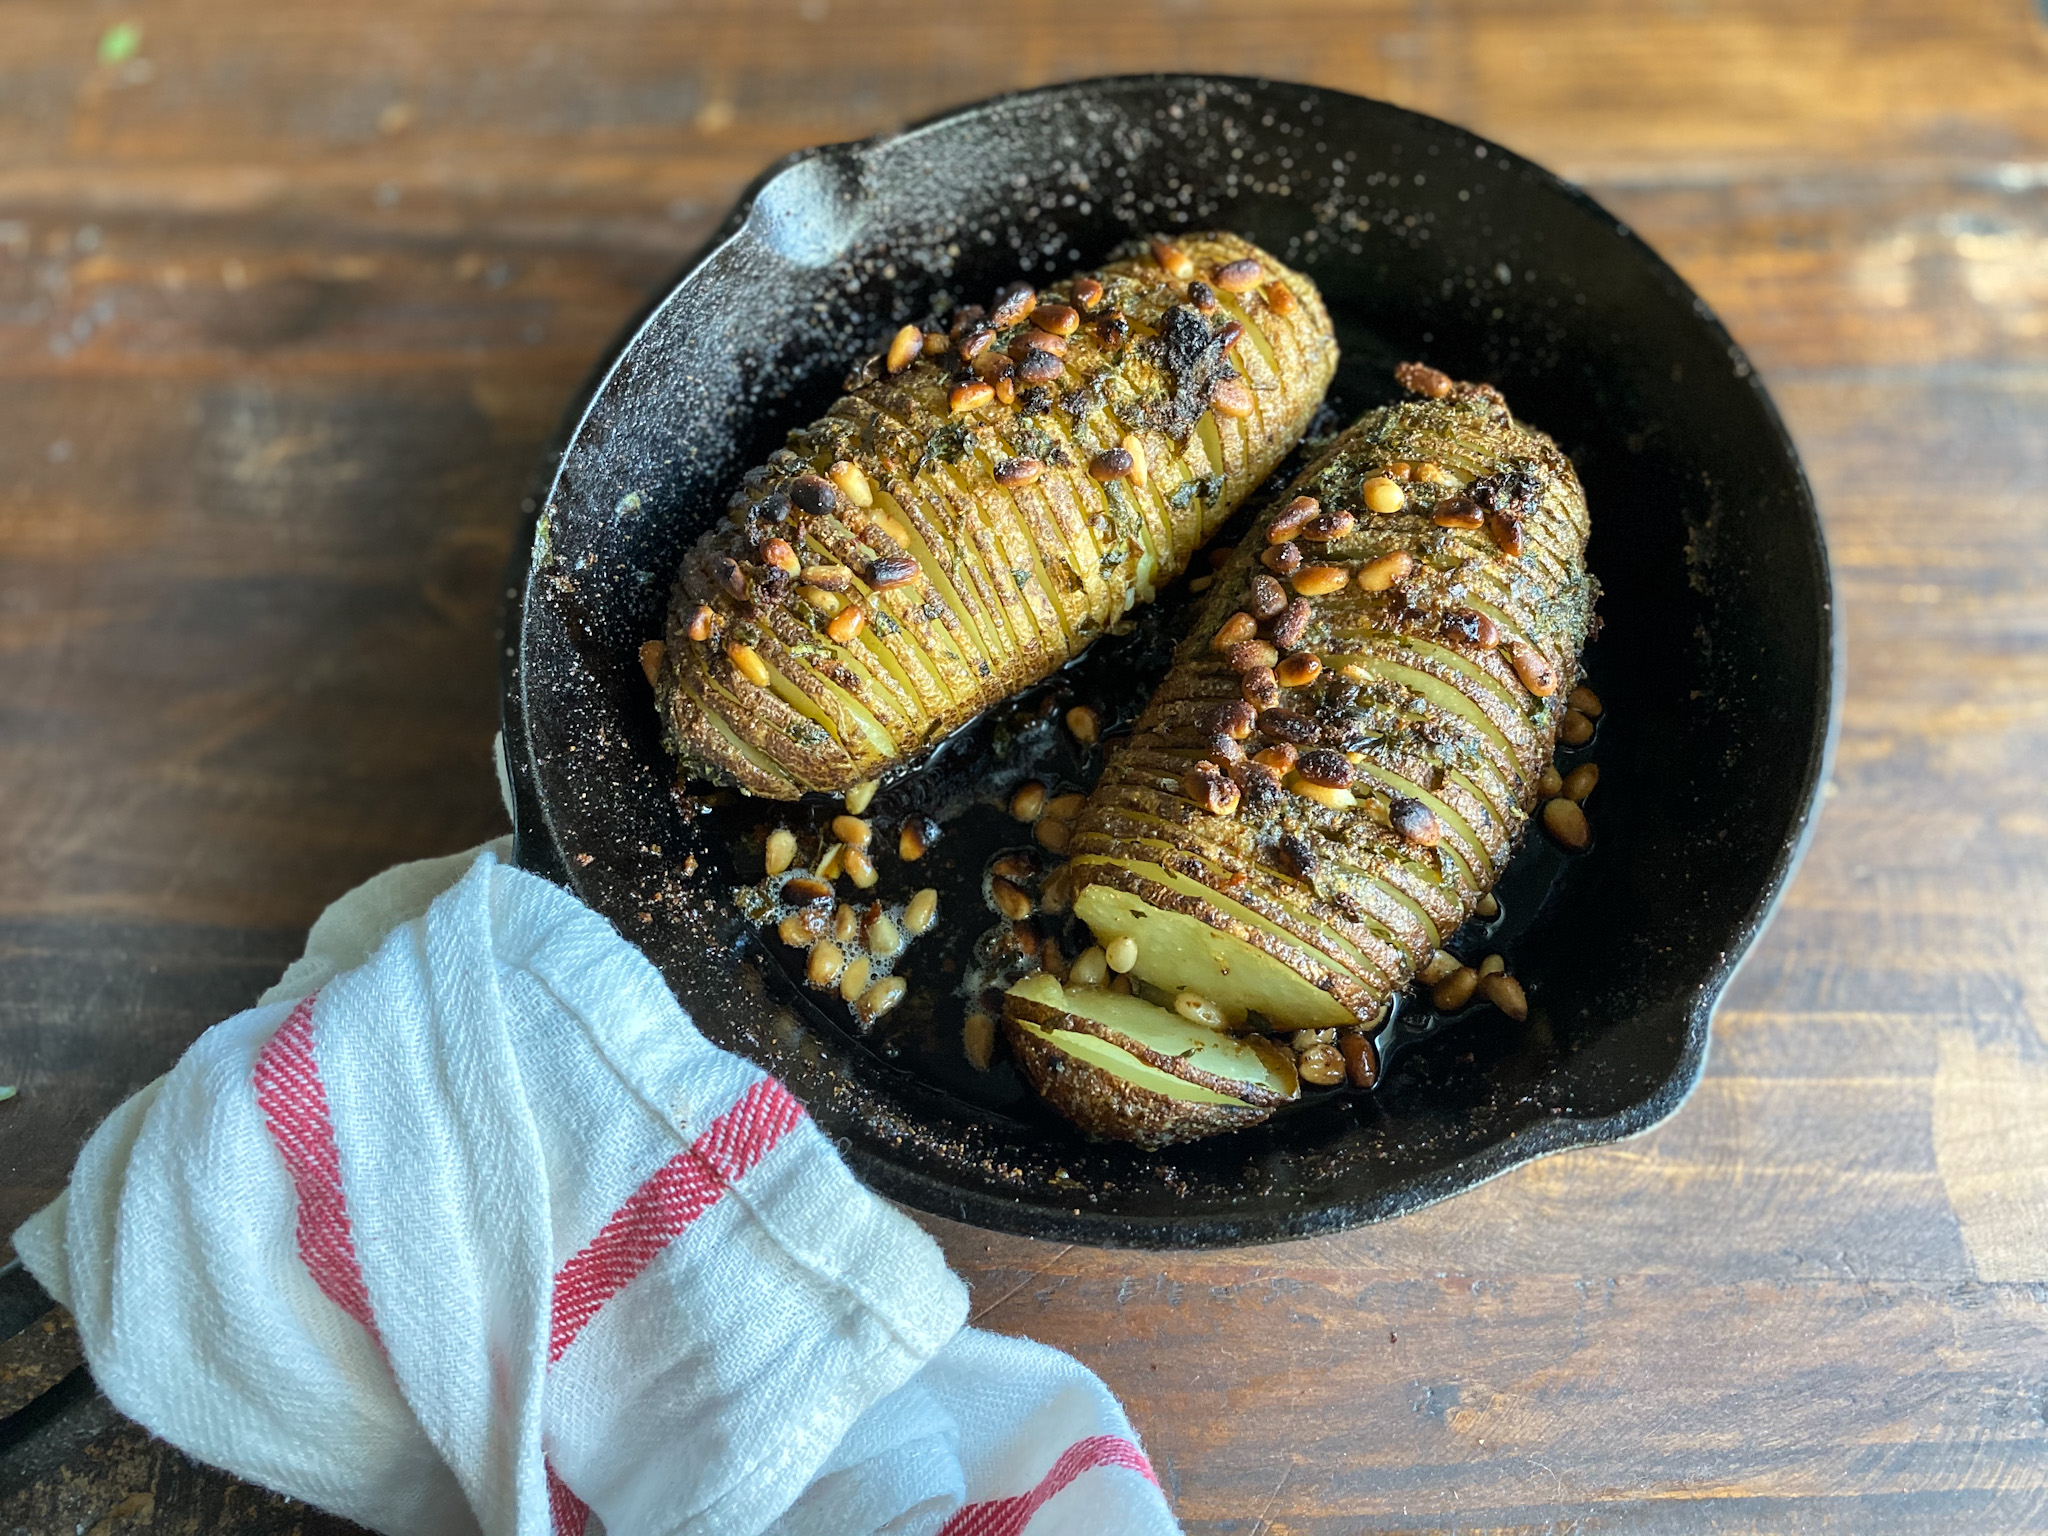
465, 1227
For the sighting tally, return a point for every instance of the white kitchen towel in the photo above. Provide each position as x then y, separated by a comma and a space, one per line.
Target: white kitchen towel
465, 1227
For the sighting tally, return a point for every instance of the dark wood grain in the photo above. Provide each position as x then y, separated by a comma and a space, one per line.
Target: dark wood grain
289, 300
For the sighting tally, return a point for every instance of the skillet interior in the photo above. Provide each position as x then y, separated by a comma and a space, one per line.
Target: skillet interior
1717, 661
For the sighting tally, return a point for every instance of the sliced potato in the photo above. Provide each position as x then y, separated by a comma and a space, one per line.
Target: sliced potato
1120, 1067
953, 574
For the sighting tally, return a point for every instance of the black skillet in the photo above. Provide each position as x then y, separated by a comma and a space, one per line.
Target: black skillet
1718, 662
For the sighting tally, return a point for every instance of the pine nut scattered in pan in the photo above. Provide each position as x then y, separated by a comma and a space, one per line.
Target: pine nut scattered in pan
922, 912
1322, 1065
1121, 953
860, 869
1091, 968
1383, 495
826, 962
1505, 993
781, 850
1009, 899
880, 998
1028, 803
916, 838
861, 796
904, 347
1585, 701
1580, 782
978, 1040
1565, 822
854, 979
852, 831
1455, 990
1575, 730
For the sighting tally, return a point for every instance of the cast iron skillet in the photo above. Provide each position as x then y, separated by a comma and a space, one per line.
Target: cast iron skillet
1718, 660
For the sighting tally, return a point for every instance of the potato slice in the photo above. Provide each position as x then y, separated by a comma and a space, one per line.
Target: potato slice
959, 576
1120, 1067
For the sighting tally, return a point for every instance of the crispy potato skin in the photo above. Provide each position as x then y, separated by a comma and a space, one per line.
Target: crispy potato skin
1007, 582
1103, 1104
1415, 705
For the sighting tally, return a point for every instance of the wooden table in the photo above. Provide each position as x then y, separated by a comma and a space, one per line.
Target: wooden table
289, 297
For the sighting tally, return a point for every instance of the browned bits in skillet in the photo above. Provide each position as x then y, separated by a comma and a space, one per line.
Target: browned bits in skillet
1087, 292
1536, 674
1014, 303
1240, 276
1421, 379
1292, 624
827, 578
1415, 822
904, 348
1505, 993
1468, 626
970, 397
1580, 782
1268, 597
1329, 525
1361, 1057
1459, 511
892, 571
1237, 628
1330, 769
1506, 528
1292, 518
1280, 757
1174, 261
1282, 559
1250, 655
1234, 719
1084, 724
701, 623
1286, 725
1298, 670
1379, 574
1039, 366
1018, 472
1320, 580
1565, 822
1110, 464
1281, 298
1575, 730
1231, 397
1203, 297
1210, 788
847, 623
1059, 319
1260, 688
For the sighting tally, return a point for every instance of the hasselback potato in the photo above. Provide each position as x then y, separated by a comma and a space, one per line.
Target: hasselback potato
980, 504
1347, 746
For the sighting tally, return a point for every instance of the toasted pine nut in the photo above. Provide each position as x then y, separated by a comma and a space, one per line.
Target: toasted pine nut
1091, 968
1437, 967
1172, 259
1202, 584
885, 940
846, 624
880, 998
1053, 835
1575, 730
1580, 781
922, 912
1298, 670
801, 929
1487, 906
1292, 518
1505, 993
1322, 1065
651, 656
805, 890
936, 342
1009, 899
1259, 687
852, 482
845, 924
916, 838
1379, 574
904, 347
1121, 953
1563, 820
1415, 822
1459, 511
1585, 701
852, 831
1536, 674
892, 525
1383, 495
1280, 757
1060, 319
700, 623
978, 1040
1307, 1039
1017, 868
1282, 559
827, 578
1492, 965
971, 396
833, 863
1210, 788
854, 979
1232, 398
1141, 472
1455, 990
1320, 580
1084, 725
1028, 803
860, 868
1197, 1009
1280, 298
860, 797
1549, 783
1111, 464
777, 553
1323, 794
781, 850
1361, 1058
1014, 474
1065, 807
826, 962
1240, 276
748, 661
1236, 629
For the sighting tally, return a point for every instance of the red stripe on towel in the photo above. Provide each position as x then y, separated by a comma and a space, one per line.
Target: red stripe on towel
567, 1514
680, 1191
294, 1105
1008, 1517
